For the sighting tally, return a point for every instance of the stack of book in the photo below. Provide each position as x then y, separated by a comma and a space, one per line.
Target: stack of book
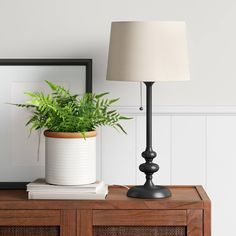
39, 189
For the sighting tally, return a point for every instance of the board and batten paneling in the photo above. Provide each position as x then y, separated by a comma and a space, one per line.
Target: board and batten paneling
221, 175
180, 143
194, 145
118, 154
188, 150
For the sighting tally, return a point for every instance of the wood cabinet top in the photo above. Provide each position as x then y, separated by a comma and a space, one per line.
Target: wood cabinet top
183, 197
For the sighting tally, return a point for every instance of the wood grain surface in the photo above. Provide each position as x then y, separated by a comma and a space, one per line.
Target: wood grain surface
189, 206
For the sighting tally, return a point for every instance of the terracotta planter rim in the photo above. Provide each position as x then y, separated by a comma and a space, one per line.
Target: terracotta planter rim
50, 134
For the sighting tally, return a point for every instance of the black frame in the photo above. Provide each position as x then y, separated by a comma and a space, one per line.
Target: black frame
47, 62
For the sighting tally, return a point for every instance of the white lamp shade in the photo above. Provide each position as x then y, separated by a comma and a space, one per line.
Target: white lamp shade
148, 51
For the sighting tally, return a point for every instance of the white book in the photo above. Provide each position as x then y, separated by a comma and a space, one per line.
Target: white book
41, 185
101, 194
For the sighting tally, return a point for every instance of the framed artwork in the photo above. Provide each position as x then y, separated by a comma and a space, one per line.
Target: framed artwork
21, 155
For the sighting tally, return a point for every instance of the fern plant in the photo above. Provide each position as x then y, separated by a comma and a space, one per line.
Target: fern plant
60, 111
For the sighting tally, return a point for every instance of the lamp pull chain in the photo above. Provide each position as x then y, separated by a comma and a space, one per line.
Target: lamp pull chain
141, 97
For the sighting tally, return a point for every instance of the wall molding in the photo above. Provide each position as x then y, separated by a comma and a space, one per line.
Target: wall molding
180, 110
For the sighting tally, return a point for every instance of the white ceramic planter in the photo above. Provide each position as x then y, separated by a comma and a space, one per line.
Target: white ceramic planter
70, 159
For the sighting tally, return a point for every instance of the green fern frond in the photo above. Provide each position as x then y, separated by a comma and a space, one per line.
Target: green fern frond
61, 111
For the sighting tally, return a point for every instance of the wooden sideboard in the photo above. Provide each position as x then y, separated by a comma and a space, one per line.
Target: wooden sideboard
186, 213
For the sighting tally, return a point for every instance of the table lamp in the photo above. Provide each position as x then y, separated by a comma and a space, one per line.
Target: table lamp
148, 52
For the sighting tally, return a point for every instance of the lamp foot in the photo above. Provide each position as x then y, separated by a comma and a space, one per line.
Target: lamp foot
142, 191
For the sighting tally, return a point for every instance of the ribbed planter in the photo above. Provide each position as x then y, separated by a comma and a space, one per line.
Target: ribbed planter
69, 158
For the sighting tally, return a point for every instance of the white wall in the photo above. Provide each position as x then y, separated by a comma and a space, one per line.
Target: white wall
76, 28
195, 144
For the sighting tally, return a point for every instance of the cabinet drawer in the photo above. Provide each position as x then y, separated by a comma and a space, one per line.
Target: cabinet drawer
139, 217
29, 217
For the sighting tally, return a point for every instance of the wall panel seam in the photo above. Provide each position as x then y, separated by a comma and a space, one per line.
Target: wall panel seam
101, 156
206, 149
136, 148
171, 149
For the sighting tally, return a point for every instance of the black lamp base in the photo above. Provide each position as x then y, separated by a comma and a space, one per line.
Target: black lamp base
155, 192
149, 190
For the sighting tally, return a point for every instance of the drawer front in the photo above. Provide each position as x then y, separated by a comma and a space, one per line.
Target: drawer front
29, 217
38, 222
140, 222
139, 217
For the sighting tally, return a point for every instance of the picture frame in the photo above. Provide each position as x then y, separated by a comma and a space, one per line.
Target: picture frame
87, 63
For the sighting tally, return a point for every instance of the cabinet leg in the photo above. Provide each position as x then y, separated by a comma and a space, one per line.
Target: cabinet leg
194, 223
85, 223
68, 223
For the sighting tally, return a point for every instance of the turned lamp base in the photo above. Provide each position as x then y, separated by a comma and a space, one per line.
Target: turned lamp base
141, 191
149, 189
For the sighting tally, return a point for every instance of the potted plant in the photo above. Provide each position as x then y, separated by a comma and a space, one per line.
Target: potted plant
69, 124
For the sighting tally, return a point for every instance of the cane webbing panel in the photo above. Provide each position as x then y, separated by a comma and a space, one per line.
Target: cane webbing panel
29, 231
139, 231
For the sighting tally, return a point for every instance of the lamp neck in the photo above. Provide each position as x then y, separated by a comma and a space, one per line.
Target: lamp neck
149, 115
